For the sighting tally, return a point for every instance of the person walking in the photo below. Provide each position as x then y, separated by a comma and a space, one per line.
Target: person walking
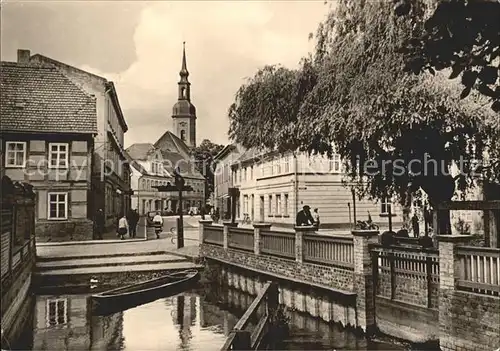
202, 212
304, 217
122, 227
133, 219
316, 218
158, 224
99, 223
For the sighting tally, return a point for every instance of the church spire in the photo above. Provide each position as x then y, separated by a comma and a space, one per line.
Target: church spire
184, 71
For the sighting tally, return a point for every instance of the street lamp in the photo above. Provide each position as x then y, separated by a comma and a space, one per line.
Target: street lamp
179, 186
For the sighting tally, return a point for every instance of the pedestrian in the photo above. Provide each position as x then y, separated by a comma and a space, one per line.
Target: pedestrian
304, 217
122, 227
99, 222
133, 219
415, 225
316, 218
202, 212
158, 224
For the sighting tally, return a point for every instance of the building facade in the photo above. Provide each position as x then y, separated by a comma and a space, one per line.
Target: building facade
223, 178
110, 168
274, 187
150, 168
48, 128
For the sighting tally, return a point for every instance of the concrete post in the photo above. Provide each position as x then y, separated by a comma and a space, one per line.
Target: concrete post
201, 228
364, 284
227, 225
300, 231
257, 227
448, 275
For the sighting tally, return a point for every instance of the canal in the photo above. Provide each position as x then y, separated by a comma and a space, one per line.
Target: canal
199, 319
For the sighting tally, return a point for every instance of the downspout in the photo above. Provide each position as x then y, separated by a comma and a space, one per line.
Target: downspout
296, 186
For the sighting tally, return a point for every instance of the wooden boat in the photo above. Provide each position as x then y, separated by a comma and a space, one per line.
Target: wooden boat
123, 298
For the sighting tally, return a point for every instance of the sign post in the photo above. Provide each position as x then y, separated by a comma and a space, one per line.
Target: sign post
179, 186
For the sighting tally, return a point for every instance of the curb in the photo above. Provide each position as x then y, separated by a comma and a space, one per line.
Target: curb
91, 242
85, 257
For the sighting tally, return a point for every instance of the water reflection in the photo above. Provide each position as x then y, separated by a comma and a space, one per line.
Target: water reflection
191, 321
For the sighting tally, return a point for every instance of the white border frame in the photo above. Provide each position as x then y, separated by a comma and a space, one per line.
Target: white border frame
25, 144
65, 207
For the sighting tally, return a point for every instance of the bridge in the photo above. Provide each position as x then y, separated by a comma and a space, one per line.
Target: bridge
419, 295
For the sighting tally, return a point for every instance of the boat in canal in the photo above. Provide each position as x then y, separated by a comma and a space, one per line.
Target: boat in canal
129, 296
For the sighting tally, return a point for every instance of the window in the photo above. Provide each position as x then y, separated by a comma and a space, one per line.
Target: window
58, 155
287, 164
386, 206
251, 172
245, 204
58, 206
270, 205
335, 164
285, 205
278, 205
57, 313
15, 155
278, 166
183, 135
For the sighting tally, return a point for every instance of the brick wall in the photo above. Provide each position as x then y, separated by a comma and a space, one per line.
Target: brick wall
471, 321
337, 278
64, 231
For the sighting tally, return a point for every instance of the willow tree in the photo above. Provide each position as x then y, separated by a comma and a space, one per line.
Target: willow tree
355, 94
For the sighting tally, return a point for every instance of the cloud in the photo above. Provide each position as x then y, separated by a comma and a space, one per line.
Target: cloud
226, 42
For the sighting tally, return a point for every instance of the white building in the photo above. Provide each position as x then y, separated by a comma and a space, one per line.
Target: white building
151, 168
274, 187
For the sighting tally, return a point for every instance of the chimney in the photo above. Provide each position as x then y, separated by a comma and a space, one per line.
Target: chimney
23, 56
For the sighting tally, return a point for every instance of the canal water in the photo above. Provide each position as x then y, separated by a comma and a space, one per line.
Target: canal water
195, 320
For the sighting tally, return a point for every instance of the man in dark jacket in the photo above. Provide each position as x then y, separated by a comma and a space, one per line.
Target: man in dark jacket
304, 217
99, 223
133, 219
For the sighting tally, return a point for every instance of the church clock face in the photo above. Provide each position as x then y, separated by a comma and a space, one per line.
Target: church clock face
183, 124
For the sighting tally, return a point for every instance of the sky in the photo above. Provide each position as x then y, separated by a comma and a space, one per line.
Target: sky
138, 45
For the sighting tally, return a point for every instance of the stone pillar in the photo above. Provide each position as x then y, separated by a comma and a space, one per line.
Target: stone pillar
257, 227
227, 225
201, 228
300, 231
364, 285
448, 275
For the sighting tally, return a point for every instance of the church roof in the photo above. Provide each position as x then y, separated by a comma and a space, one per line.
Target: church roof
172, 143
184, 108
140, 151
186, 165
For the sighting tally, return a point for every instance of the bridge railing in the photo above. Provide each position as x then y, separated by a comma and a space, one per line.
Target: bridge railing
479, 270
240, 337
213, 234
275, 243
406, 274
240, 238
329, 250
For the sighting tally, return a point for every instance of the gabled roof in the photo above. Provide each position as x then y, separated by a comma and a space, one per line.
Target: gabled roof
140, 151
108, 85
186, 165
37, 98
252, 154
170, 142
226, 150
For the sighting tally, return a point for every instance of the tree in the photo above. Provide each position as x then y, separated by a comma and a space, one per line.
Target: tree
204, 161
463, 35
361, 102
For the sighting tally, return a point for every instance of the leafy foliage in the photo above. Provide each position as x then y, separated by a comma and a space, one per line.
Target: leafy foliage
204, 160
463, 35
354, 96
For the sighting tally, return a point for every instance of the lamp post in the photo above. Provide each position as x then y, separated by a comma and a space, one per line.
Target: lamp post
179, 187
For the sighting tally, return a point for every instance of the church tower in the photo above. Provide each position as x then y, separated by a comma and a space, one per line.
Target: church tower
184, 112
